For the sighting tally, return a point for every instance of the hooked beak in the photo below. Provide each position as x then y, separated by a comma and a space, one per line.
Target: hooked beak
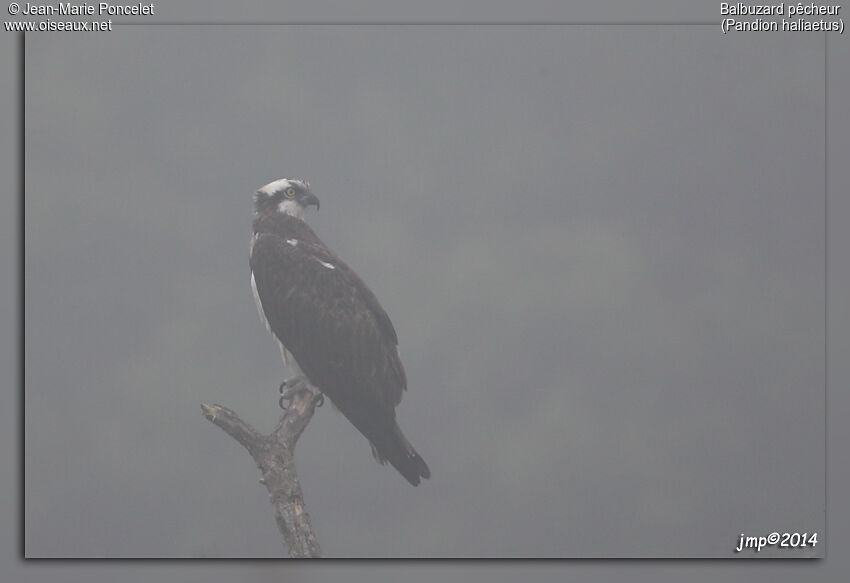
310, 199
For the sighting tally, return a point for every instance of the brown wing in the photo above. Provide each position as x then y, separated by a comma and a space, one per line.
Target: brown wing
341, 338
332, 324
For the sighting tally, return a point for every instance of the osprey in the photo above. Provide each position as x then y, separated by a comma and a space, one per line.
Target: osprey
331, 329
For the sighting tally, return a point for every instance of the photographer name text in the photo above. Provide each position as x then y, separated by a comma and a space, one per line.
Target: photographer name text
99, 9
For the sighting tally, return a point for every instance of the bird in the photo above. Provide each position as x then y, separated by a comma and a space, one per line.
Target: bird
333, 333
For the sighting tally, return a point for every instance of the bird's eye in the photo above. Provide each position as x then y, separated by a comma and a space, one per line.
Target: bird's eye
290, 192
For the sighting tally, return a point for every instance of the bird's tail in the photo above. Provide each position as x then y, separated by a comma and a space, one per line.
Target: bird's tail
396, 450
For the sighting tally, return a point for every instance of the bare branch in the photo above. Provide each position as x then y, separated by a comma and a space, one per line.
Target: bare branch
274, 455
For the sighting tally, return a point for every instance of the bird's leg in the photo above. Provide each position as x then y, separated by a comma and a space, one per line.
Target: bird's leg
291, 387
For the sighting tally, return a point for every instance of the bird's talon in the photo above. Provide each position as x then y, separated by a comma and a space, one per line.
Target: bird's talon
282, 403
319, 399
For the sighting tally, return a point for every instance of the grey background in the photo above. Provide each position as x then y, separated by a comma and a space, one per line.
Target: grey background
602, 249
837, 278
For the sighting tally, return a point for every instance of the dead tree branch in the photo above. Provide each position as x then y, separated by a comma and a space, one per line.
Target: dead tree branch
274, 455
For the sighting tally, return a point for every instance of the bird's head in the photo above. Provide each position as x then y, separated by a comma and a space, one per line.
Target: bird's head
287, 196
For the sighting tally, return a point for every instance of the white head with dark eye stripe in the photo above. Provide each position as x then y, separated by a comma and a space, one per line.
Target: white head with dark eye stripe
287, 196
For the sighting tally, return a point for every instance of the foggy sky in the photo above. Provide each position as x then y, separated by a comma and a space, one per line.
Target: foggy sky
602, 249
